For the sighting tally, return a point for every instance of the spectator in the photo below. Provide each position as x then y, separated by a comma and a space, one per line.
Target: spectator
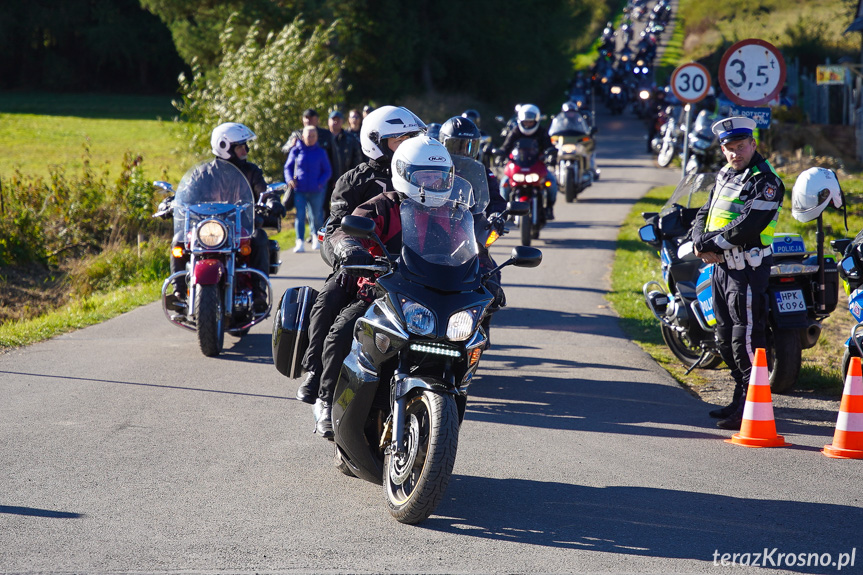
367, 109
347, 151
325, 137
355, 122
307, 171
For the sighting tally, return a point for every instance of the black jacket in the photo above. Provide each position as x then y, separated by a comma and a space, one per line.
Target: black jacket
541, 136
253, 174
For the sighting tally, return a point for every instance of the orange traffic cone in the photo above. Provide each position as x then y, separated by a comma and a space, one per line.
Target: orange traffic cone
758, 428
848, 439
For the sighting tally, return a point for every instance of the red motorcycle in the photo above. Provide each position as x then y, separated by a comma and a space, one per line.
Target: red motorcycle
527, 177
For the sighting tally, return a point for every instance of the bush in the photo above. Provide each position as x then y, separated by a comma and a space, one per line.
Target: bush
264, 85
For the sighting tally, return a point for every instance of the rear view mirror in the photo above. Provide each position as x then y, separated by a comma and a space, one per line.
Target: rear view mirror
648, 234
525, 257
358, 227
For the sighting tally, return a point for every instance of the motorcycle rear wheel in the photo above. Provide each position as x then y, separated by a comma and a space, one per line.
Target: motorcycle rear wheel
210, 320
414, 483
784, 365
685, 351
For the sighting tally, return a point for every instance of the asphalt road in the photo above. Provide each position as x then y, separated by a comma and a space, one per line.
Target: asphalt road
125, 450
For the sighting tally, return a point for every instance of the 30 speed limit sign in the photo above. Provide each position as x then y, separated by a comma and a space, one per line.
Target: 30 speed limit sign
690, 82
752, 72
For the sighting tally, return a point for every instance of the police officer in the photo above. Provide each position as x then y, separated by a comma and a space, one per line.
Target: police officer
734, 230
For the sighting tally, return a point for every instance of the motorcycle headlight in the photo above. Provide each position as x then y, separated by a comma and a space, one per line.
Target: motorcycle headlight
531, 178
518, 178
644, 95
419, 319
462, 324
615, 90
212, 234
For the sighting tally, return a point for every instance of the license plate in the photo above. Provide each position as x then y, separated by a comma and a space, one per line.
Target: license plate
790, 301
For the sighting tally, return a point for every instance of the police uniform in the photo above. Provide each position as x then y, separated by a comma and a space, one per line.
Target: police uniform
738, 221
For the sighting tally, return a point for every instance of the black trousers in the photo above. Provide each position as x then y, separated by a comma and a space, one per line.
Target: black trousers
337, 345
332, 298
741, 307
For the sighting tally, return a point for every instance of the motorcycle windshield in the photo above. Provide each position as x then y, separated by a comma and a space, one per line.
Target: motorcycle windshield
439, 248
704, 121
214, 189
691, 192
563, 125
476, 175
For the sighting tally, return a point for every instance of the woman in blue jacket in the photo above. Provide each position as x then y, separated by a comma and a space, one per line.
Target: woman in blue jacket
307, 171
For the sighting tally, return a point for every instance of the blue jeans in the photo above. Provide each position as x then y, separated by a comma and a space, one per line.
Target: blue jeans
551, 190
311, 204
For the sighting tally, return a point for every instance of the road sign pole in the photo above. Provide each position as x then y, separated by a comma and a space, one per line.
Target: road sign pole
688, 109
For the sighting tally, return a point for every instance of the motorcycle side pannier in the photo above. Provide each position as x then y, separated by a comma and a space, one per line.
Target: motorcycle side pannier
291, 330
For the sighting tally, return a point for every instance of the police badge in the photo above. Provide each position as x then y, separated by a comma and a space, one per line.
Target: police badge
728, 125
770, 193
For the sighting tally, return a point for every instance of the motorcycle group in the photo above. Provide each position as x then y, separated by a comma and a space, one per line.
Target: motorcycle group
392, 341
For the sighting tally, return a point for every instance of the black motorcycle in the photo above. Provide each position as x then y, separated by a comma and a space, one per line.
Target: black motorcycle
685, 308
705, 154
402, 392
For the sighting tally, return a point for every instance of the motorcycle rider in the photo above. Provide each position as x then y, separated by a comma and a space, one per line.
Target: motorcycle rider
383, 130
528, 126
734, 230
572, 111
422, 170
229, 141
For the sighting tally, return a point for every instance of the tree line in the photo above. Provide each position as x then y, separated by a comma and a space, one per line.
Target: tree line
496, 51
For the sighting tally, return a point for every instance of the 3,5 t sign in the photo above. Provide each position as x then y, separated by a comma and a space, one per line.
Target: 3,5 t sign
690, 82
752, 72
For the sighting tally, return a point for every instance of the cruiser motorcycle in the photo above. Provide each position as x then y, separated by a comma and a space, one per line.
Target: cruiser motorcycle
214, 216
402, 392
574, 142
684, 306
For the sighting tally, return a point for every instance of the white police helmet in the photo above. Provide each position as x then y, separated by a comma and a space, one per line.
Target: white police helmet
227, 135
423, 171
813, 190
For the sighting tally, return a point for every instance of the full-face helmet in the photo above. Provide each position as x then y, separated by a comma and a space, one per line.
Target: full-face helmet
473, 116
423, 171
461, 137
528, 119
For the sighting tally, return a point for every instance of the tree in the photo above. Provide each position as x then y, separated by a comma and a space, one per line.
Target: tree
263, 84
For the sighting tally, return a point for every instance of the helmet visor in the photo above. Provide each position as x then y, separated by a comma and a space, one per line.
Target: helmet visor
462, 146
429, 178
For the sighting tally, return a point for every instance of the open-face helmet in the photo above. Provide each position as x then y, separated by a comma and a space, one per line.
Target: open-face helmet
226, 136
813, 190
423, 171
384, 123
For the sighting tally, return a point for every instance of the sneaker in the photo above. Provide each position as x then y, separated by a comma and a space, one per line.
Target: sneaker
299, 248
308, 390
323, 418
316, 245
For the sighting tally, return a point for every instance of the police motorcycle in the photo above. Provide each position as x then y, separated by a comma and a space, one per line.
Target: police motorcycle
705, 154
214, 213
402, 392
573, 139
684, 306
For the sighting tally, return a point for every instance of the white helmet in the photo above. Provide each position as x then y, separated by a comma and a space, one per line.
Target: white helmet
812, 191
423, 171
528, 114
387, 122
227, 135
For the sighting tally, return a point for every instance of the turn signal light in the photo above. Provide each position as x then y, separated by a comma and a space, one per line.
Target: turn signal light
474, 357
492, 237
548, 183
177, 251
245, 248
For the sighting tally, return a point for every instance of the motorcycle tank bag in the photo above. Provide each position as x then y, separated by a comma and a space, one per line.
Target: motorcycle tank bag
291, 330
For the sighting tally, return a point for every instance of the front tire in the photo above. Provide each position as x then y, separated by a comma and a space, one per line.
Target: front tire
784, 367
665, 154
210, 320
569, 185
525, 224
414, 483
685, 350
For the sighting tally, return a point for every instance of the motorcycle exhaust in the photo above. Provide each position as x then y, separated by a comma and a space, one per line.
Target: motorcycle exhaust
809, 336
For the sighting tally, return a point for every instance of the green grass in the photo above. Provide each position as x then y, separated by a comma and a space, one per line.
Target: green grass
48, 131
636, 263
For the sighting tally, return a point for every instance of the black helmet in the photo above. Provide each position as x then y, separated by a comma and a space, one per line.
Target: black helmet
472, 115
461, 137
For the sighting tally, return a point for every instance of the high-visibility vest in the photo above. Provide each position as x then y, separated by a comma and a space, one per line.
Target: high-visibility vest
727, 205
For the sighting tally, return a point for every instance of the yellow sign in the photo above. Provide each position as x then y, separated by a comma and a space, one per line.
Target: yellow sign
830, 75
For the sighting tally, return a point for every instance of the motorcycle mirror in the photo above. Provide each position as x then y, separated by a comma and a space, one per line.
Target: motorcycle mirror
647, 233
499, 119
849, 268
166, 187
518, 208
525, 257
358, 227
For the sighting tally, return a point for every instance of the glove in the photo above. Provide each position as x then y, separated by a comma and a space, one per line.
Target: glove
276, 208
356, 258
498, 223
165, 209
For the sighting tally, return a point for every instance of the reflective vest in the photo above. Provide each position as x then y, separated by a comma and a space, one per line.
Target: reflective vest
727, 205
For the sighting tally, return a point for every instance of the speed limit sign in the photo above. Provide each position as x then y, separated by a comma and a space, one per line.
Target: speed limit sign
752, 72
690, 82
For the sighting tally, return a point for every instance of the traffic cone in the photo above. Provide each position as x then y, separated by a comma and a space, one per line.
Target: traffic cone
758, 428
848, 439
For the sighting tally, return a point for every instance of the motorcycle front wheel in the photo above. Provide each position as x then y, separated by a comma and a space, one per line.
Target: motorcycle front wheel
685, 350
569, 184
665, 154
415, 481
210, 320
525, 225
